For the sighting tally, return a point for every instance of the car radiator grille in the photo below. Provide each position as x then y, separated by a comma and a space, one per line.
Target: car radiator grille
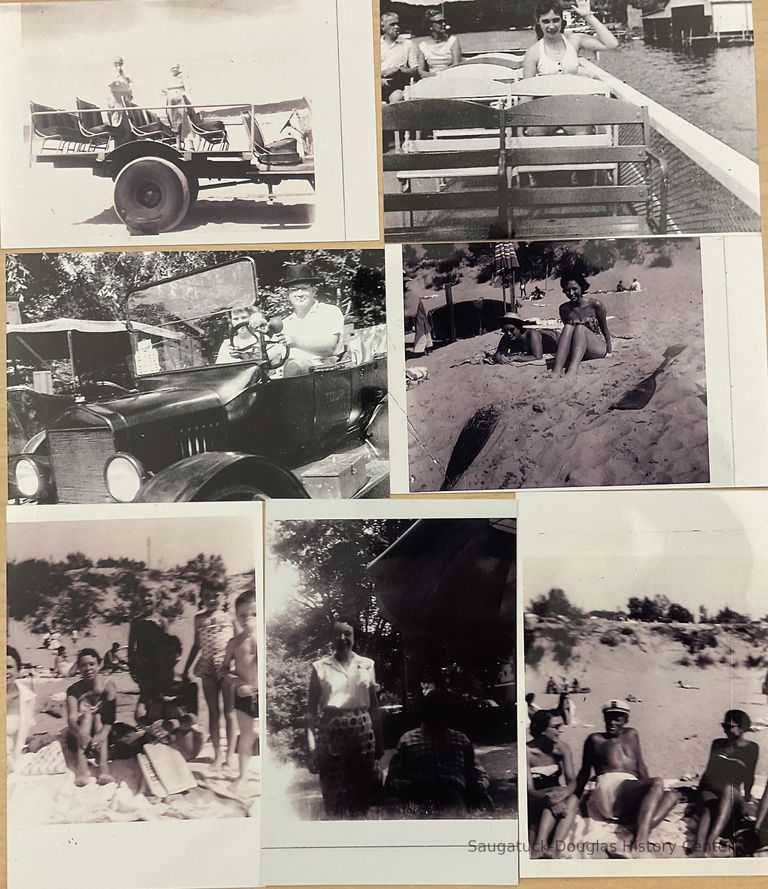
78, 459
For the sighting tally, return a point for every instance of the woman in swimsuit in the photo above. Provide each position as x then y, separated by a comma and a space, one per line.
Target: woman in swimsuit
730, 770
585, 335
91, 711
555, 53
551, 783
438, 50
213, 630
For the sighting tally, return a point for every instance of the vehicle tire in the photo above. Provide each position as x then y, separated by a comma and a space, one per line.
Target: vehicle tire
236, 491
194, 189
152, 195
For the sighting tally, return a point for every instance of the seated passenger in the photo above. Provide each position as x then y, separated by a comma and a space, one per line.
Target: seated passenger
518, 345
314, 330
241, 344
399, 59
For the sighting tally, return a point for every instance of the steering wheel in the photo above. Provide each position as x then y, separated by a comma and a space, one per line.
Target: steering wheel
271, 362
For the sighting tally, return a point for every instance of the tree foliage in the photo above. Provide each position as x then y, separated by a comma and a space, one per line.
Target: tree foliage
555, 603
96, 286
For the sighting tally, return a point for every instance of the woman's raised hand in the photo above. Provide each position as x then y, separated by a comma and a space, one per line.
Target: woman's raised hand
583, 8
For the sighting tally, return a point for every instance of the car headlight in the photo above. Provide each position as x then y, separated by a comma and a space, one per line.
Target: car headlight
123, 475
29, 481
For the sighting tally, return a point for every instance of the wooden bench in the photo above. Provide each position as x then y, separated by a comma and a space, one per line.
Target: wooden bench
420, 164
623, 201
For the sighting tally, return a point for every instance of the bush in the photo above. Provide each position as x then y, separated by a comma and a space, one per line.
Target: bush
703, 659
627, 631
685, 661
611, 639
754, 660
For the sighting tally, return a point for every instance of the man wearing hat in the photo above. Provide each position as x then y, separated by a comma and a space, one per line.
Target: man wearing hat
519, 345
624, 791
314, 330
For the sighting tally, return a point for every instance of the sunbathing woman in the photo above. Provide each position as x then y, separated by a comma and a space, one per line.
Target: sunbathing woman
552, 804
518, 345
730, 770
585, 334
91, 706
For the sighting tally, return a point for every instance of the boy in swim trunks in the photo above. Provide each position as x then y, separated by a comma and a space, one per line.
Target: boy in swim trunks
91, 709
242, 648
624, 791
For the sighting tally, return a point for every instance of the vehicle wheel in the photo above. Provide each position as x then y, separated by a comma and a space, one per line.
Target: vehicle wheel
241, 491
152, 195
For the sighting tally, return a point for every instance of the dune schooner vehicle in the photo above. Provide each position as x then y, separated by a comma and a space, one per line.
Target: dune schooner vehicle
194, 429
159, 169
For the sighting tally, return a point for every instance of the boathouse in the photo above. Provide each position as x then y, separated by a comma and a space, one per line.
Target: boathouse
687, 21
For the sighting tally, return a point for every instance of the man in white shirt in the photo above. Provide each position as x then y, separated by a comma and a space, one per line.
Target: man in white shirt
313, 330
399, 59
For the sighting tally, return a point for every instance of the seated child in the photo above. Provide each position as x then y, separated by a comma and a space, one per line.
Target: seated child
242, 648
518, 345
171, 718
91, 706
726, 785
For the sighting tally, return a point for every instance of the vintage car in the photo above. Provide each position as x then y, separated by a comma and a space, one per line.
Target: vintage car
193, 429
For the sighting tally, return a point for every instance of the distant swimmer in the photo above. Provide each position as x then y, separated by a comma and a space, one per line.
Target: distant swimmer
624, 790
682, 684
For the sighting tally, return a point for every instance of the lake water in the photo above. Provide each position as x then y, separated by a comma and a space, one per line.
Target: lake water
714, 89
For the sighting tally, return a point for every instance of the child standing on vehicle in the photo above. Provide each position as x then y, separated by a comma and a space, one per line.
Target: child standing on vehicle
213, 630
91, 711
242, 648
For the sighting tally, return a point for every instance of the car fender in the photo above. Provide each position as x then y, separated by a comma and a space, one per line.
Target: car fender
38, 444
144, 148
187, 479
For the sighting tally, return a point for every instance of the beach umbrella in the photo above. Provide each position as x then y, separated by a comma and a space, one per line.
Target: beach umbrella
505, 262
452, 580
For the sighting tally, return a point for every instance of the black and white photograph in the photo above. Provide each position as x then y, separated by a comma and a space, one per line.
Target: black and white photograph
132, 689
391, 693
215, 124
555, 364
646, 646
568, 118
196, 376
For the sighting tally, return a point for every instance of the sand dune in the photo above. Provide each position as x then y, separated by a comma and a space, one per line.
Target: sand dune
555, 433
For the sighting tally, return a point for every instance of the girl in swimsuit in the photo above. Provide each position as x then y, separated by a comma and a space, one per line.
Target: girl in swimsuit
91, 711
552, 804
213, 630
585, 335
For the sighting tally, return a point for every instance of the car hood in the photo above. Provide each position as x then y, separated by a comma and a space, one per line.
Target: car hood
144, 408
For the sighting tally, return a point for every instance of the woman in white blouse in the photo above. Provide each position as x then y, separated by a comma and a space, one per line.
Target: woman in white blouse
343, 737
439, 49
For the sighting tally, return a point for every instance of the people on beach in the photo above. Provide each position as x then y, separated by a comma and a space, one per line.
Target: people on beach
170, 717
634, 287
91, 712
20, 705
438, 49
552, 804
531, 705
62, 666
399, 59
213, 630
112, 660
558, 53
434, 772
242, 649
519, 345
585, 335
624, 790
343, 730
726, 785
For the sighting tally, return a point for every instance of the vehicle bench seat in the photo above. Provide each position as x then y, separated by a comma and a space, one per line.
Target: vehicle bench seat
279, 152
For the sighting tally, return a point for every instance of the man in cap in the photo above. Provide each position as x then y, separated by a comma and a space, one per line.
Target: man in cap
624, 791
520, 345
314, 330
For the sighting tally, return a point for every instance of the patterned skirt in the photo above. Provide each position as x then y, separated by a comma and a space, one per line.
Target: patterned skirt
346, 760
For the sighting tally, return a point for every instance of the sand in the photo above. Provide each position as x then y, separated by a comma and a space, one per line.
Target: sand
560, 433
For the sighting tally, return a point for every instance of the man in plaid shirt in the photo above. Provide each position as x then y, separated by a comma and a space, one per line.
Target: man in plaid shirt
434, 769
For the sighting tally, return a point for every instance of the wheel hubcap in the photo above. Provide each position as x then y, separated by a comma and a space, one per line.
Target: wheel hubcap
149, 195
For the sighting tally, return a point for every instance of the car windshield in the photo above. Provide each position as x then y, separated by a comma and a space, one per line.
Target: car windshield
194, 313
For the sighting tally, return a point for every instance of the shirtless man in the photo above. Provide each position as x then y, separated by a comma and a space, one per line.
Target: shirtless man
624, 791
